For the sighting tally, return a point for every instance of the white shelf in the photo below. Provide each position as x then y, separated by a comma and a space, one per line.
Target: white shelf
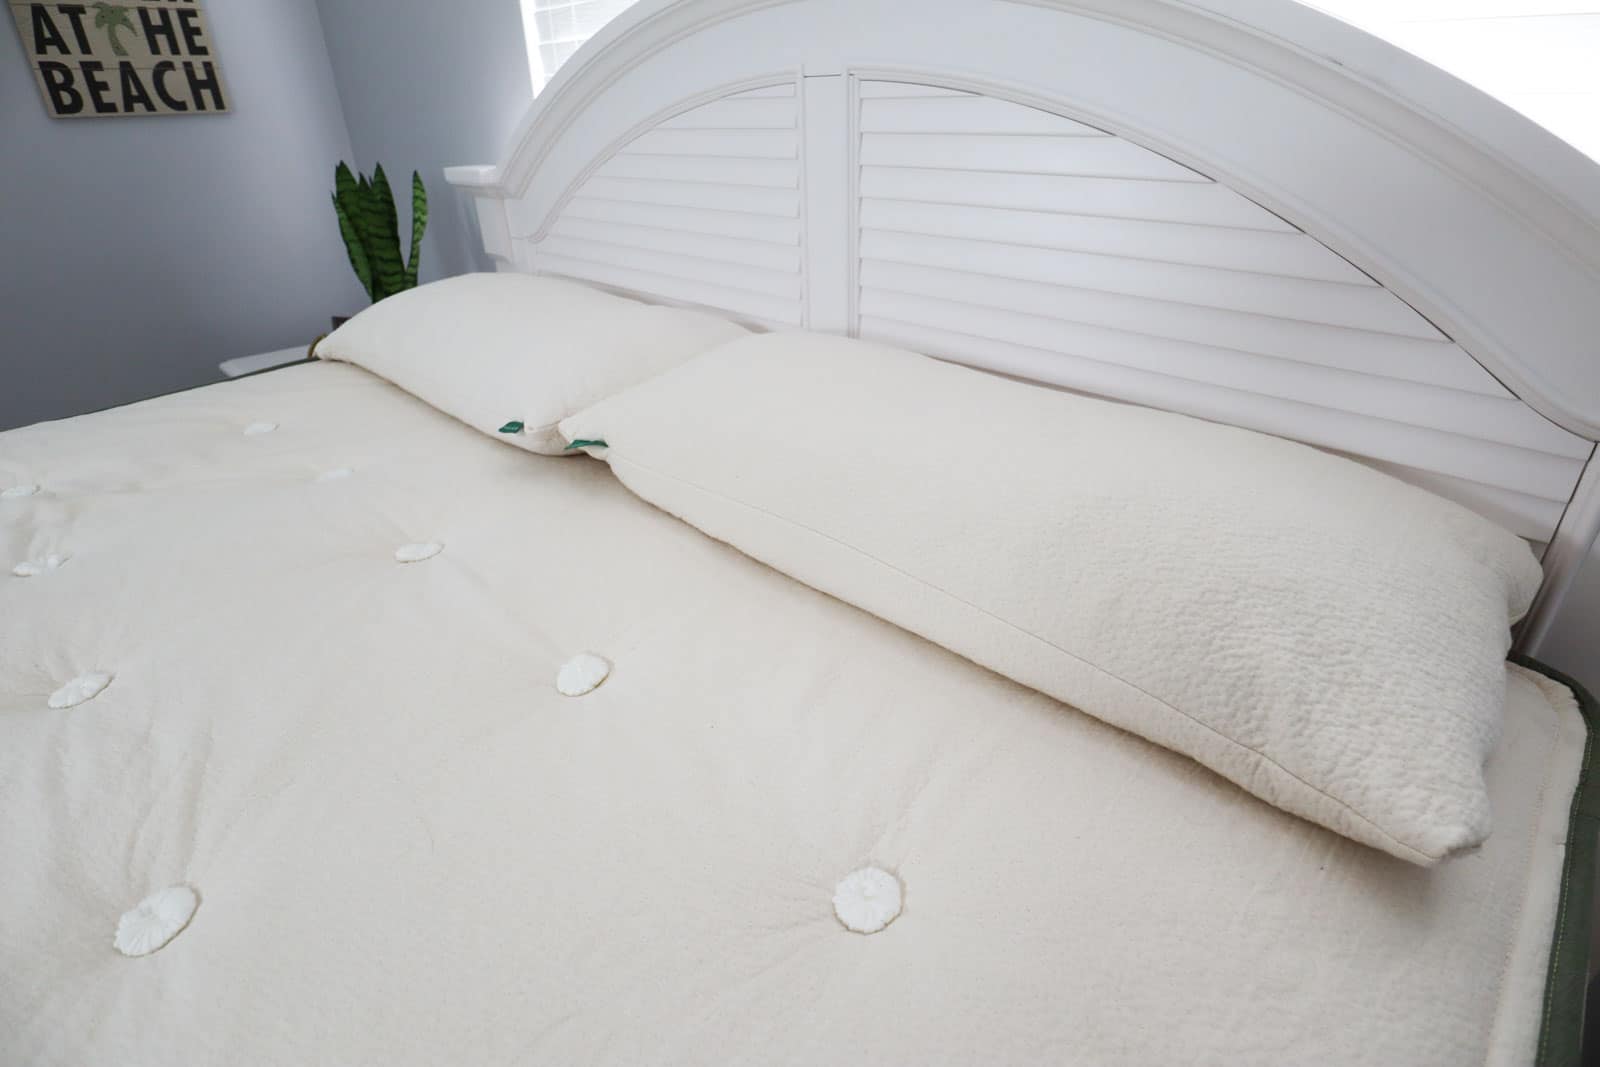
242, 365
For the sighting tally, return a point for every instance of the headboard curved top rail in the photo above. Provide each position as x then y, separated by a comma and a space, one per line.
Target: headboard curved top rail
1239, 209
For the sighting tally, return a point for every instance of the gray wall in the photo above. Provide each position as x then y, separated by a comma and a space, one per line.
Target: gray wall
1574, 643
137, 253
426, 86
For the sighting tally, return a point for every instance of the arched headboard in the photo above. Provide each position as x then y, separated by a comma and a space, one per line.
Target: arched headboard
1238, 209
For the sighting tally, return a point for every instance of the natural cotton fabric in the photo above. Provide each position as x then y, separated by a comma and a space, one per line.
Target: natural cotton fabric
1324, 635
498, 349
410, 849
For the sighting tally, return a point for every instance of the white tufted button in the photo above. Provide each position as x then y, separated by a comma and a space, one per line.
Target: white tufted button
83, 688
30, 568
335, 475
417, 552
867, 900
256, 429
582, 674
16, 492
156, 920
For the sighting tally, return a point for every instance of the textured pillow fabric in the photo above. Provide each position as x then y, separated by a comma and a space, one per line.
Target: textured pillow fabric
493, 349
1327, 637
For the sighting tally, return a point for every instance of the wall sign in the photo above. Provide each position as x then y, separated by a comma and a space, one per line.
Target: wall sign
136, 57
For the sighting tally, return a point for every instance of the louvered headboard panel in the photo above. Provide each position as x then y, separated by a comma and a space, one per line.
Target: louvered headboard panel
702, 208
1243, 210
1010, 238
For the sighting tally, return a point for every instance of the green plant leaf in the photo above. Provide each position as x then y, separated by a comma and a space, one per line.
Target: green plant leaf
511, 427
383, 232
580, 443
352, 245
347, 207
419, 222
358, 207
371, 235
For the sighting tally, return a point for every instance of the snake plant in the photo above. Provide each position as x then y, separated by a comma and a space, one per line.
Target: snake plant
371, 231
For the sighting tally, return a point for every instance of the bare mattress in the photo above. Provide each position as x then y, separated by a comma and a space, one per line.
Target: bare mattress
407, 847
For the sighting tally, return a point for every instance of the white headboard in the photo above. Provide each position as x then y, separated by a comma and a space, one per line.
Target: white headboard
1210, 206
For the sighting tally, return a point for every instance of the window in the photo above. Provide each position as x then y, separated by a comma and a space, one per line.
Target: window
1537, 56
557, 28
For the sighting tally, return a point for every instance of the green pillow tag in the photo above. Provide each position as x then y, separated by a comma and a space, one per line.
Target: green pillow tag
511, 427
586, 444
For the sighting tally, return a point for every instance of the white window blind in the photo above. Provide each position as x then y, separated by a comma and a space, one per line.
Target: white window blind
557, 28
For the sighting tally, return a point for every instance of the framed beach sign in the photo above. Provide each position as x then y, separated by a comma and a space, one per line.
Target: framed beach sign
135, 57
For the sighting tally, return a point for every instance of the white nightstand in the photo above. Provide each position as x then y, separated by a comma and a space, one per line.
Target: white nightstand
240, 365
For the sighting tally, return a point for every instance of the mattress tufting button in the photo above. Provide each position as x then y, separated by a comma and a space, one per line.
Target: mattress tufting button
155, 920
417, 552
16, 492
336, 474
81, 690
256, 429
582, 674
30, 568
867, 900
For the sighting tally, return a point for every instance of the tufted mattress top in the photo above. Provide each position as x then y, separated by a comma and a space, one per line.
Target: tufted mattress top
287, 649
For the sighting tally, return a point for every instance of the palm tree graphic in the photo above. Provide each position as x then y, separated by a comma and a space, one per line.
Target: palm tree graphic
111, 18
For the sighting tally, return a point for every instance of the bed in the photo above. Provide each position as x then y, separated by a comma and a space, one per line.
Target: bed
295, 663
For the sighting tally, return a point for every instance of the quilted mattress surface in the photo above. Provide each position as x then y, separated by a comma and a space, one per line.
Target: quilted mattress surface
408, 847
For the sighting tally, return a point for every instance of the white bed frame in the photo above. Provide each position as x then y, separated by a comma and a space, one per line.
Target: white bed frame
1239, 209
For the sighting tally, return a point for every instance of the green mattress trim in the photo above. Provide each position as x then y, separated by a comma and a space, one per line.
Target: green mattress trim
1566, 985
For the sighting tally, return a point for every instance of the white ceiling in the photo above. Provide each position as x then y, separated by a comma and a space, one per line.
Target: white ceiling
1541, 57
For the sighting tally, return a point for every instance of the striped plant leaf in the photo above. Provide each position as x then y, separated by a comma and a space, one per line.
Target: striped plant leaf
353, 246
346, 206
419, 222
371, 230
384, 248
362, 218
369, 236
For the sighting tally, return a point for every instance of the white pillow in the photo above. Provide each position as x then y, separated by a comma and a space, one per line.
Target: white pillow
1329, 638
498, 349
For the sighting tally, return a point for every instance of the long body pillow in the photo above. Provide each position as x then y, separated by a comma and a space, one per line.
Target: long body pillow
1330, 638
495, 350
